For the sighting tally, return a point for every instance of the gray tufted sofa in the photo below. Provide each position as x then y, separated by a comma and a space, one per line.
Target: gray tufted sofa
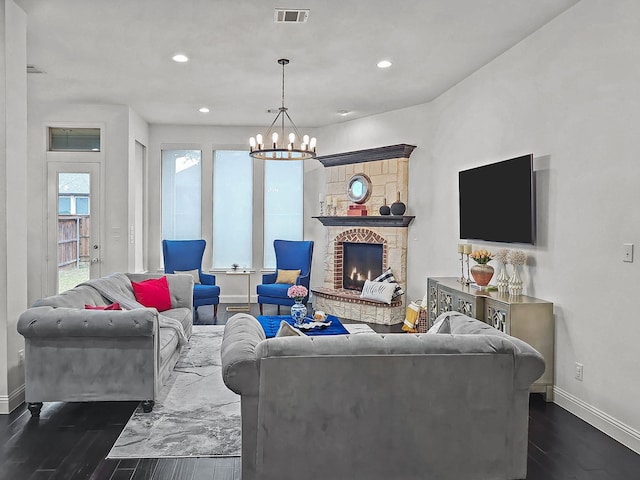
78, 355
450, 406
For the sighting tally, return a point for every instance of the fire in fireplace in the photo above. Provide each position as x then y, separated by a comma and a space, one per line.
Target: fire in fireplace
360, 262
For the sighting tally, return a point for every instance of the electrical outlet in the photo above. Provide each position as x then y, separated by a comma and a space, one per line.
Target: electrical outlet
627, 252
579, 368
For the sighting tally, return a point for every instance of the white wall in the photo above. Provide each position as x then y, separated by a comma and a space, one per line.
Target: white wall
569, 94
13, 199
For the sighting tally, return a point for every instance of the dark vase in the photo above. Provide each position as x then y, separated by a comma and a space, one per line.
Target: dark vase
397, 207
384, 209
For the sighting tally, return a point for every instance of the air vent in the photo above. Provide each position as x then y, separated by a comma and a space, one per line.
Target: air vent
33, 69
286, 15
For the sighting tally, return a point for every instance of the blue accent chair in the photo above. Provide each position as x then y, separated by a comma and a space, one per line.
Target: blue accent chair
184, 255
290, 255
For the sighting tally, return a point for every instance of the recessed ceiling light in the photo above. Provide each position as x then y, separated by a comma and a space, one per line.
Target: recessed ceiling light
203, 110
384, 64
343, 113
180, 58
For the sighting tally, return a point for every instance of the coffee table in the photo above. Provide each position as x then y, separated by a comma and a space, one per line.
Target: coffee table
271, 323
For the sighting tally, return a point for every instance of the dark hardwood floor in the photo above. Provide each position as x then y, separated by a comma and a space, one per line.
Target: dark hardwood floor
70, 441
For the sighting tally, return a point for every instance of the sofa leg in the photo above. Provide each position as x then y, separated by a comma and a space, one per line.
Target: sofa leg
34, 408
260, 308
278, 309
215, 311
147, 405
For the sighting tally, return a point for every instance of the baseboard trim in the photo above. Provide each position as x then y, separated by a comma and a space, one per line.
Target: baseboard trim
623, 433
8, 403
237, 299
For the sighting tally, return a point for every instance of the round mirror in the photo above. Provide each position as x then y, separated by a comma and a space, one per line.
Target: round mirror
359, 188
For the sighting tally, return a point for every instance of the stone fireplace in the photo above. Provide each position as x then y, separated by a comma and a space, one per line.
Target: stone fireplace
362, 247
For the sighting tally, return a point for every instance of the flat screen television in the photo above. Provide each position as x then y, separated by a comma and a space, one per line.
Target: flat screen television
497, 201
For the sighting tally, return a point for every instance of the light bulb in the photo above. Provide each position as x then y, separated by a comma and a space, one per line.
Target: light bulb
259, 140
252, 142
292, 137
312, 143
290, 146
305, 139
303, 146
274, 137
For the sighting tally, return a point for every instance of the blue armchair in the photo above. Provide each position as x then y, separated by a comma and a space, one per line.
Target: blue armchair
290, 255
185, 256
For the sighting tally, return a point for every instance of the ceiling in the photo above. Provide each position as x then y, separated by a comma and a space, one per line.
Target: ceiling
119, 52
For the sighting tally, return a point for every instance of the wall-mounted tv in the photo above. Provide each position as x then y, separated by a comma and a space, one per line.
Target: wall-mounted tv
497, 201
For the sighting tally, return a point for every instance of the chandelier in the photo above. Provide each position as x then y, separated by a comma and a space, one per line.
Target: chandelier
292, 147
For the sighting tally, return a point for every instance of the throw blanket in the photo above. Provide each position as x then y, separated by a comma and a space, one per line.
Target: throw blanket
116, 287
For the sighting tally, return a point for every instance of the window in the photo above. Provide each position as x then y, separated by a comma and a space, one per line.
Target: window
232, 208
64, 205
82, 205
283, 219
74, 139
181, 194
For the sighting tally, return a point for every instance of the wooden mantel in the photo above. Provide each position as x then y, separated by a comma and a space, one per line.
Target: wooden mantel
367, 221
401, 150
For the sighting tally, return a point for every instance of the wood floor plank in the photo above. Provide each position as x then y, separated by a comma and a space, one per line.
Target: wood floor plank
165, 468
145, 468
205, 469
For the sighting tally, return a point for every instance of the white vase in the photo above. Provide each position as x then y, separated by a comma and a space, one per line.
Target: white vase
502, 280
515, 282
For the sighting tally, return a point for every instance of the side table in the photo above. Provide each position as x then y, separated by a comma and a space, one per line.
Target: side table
242, 308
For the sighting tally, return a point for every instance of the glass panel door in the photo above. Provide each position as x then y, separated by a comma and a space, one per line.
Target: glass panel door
74, 249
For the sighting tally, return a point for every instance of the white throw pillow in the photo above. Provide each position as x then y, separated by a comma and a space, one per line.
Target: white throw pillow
441, 324
194, 273
387, 276
378, 291
287, 330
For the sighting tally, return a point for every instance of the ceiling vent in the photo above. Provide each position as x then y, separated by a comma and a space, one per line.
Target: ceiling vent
286, 15
33, 69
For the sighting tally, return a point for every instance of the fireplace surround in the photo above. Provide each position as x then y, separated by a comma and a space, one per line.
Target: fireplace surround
388, 170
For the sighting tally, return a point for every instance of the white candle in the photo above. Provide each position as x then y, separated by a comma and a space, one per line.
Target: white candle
467, 248
335, 201
460, 248
321, 197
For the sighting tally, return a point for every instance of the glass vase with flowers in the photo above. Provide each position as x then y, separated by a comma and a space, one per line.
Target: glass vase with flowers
298, 309
481, 272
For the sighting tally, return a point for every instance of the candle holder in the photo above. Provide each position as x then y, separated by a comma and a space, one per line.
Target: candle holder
467, 280
321, 208
462, 280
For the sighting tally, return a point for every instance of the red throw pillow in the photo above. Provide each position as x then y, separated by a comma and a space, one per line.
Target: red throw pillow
113, 306
153, 293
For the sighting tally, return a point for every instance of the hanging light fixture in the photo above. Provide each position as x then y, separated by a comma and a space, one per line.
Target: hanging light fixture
277, 146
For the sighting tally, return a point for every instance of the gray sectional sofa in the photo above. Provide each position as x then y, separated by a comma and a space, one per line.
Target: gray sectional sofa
76, 355
449, 406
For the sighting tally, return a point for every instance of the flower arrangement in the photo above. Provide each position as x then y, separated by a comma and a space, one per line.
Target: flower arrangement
501, 255
516, 257
482, 256
297, 292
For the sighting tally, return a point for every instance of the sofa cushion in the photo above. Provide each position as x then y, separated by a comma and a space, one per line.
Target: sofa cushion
153, 293
194, 273
378, 291
387, 276
111, 306
287, 330
278, 290
287, 276
205, 291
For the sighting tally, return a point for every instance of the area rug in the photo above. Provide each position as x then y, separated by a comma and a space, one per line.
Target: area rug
196, 415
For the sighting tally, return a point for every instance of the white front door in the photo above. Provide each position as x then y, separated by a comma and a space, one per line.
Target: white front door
73, 224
